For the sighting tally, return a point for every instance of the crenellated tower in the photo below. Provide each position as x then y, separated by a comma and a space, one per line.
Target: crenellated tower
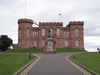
24, 33
76, 34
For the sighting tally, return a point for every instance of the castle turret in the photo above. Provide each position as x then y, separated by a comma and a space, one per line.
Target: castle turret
76, 34
24, 31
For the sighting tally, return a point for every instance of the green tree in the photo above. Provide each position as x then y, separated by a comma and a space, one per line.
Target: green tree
6, 42
1, 45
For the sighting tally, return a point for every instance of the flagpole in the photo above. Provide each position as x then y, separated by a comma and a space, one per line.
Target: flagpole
25, 8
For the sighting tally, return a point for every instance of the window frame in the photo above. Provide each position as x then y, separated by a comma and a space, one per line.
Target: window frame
58, 31
43, 31
66, 43
76, 31
77, 43
27, 32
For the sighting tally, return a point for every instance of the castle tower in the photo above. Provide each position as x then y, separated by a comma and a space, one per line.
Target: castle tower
24, 33
76, 34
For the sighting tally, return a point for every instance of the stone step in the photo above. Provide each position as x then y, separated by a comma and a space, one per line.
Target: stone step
49, 52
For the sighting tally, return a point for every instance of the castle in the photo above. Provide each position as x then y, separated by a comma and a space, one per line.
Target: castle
71, 36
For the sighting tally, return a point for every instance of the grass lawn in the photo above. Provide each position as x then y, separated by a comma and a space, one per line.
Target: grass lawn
89, 60
69, 50
59, 50
25, 51
11, 63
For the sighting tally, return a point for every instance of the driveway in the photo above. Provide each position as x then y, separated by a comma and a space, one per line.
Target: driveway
54, 64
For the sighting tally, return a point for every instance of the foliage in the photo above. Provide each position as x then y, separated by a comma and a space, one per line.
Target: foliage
1, 44
9, 63
89, 60
5, 42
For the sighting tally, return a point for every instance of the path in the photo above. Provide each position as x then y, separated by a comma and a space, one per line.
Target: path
54, 64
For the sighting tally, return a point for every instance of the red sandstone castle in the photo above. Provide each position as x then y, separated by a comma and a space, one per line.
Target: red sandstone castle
71, 36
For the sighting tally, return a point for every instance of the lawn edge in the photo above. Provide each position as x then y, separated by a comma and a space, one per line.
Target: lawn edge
23, 68
85, 68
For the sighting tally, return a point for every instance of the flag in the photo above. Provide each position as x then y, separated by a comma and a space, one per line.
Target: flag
59, 14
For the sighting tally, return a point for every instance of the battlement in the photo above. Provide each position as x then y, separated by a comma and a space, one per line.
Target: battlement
50, 23
76, 22
25, 21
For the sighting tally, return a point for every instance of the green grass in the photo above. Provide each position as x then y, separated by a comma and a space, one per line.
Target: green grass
25, 51
89, 60
11, 63
59, 50
69, 50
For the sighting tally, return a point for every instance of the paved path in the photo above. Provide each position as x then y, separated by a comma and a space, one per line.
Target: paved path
54, 64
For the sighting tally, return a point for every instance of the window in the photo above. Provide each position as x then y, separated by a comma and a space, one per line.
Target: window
77, 43
58, 42
64, 33
35, 43
19, 43
76, 31
51, 30
43, 43
66, 43
58, 31
43, 31
27, 42
35, 33
27, 32
67, 33
19, 32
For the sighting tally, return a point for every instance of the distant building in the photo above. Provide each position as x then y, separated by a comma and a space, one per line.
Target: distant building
71, 36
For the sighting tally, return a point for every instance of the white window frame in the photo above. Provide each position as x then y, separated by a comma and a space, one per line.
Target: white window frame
76, 31
68, 33
64, 33
66, 43
36, 33
27, 31
43, 31
58, 31
43, 42
35, 43
77, 43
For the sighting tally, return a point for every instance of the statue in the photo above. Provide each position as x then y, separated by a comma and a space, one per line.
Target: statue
49, 33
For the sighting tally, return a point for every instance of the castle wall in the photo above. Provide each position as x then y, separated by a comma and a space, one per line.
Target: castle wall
35, 34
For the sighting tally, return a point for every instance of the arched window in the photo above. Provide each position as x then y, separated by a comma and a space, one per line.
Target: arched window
43, 43
19, 43
20, 32
51, 30
27, 42
27, 32
58, 31
58, 42
66, 43
35, 43
76, 31
43, 31
77, 43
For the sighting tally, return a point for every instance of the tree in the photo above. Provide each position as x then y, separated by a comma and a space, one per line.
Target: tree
5, 42
0, 45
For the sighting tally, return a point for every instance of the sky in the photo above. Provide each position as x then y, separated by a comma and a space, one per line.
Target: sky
48, 11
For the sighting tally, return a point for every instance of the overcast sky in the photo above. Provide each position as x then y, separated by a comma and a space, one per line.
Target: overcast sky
48, 11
